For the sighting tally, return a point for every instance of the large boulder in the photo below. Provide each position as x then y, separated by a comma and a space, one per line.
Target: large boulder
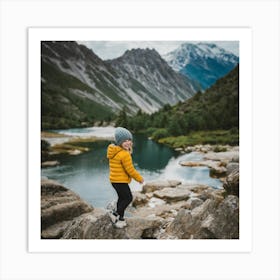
224, 222
99, 226
93, 226
59, 205
231, 184
210, 220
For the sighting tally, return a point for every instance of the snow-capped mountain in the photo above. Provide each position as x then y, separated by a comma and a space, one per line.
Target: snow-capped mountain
78, 85
202, 62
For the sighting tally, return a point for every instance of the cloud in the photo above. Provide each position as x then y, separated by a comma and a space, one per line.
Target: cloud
114, 49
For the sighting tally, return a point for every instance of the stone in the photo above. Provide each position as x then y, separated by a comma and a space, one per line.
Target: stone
228, 156
210, 220
173, 194
232, 166
231, 184
196, 188
139, 199
59, 204
55, 231
50, 163
75, 152
178, 228
223, 223
217, 168
93, 226
193, 202
158, 185
154, 202
143, 228
99, 226
187, 223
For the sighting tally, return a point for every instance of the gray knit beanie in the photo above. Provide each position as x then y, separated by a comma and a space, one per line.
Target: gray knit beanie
122, 134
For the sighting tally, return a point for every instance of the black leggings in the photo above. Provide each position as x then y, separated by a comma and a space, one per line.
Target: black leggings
125, 197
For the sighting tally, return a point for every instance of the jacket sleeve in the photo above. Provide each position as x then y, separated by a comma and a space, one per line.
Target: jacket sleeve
129, 168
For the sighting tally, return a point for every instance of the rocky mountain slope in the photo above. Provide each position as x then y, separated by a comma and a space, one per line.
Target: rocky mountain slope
78, 86
155, 82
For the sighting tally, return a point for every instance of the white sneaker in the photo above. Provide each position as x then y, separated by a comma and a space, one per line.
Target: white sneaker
120, 224
113, 216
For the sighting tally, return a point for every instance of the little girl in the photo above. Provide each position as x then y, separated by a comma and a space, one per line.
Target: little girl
121, 173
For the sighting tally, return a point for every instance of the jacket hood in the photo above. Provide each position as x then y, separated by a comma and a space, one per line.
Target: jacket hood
113, 150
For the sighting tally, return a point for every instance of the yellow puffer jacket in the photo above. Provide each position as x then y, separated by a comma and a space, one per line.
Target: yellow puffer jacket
121, 166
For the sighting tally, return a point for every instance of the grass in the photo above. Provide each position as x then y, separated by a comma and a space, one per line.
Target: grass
216, 137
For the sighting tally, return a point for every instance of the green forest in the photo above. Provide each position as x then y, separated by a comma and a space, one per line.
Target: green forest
211, 117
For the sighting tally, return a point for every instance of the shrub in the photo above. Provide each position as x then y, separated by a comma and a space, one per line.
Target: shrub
160, 133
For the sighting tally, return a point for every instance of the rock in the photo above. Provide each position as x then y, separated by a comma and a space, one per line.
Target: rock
139, 199
154, 202
231, 184
55, 231
74, 152
232, 166
217, 169
99, 226
50, 163
189, 149
228, 156
158, 185
224, 222
193, 202
161, 210
178, 228
192, 163
196, 188
143, 228
187, 223
173, 194
93, 226
215, 194
210, 220
58, 205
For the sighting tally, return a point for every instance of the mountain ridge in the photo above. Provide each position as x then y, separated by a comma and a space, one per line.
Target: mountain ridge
202, 62
84, 88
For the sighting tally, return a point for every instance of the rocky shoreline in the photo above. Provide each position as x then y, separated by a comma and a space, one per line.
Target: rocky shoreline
161, 210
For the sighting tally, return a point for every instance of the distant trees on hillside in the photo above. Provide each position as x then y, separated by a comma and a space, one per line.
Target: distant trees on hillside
217, 108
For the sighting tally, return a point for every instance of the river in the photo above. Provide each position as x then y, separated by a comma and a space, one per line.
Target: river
87, 174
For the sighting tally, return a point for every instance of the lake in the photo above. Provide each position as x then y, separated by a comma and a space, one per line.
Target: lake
87, 174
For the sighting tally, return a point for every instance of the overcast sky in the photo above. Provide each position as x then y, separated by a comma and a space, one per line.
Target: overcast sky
113, 49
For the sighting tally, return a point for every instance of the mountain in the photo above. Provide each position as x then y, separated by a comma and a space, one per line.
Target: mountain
202, 62
215, 109
154, 81
78, 86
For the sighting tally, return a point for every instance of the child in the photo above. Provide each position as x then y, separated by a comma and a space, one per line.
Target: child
121, 173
